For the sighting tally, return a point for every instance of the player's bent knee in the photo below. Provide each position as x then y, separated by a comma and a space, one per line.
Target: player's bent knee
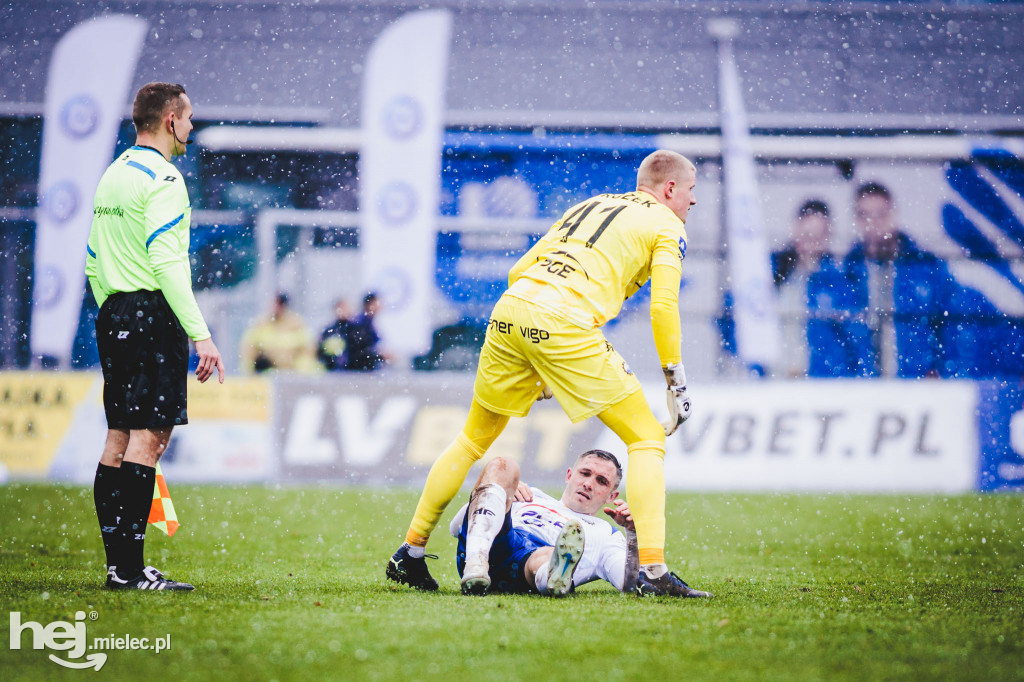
503, 466
501, 471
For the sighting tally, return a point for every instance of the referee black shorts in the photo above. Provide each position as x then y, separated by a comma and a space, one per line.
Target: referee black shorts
144, 354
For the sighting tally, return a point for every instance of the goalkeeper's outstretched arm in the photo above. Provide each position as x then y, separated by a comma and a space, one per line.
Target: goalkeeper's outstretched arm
666, 327
665, 313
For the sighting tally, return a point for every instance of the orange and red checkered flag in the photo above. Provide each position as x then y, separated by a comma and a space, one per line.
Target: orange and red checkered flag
161, 514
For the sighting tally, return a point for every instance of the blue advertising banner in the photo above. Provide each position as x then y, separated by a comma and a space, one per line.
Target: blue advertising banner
1001, 435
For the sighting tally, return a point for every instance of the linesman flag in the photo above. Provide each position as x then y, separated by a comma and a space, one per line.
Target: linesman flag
161, 514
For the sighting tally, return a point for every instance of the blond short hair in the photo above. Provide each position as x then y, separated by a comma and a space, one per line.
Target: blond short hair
662, 166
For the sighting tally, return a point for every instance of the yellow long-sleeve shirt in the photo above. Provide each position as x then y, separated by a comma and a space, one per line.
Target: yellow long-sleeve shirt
599, 253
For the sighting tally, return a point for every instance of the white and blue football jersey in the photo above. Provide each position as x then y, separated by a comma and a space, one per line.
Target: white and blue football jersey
604, 550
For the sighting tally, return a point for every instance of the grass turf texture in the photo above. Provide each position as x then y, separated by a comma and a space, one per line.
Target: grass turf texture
290, 585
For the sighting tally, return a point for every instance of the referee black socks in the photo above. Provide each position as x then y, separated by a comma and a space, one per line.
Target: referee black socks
106, 494
137, 481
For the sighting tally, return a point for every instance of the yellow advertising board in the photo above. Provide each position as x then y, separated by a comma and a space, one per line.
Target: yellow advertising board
36, 411
237, 399
43, 413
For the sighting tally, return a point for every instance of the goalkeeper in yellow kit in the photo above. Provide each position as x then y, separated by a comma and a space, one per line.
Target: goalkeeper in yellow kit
544, 338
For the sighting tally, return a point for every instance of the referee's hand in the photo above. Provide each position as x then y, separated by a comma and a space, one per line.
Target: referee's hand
209, 359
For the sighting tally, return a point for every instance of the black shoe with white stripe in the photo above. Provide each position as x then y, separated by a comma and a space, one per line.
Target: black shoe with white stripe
412, 571
668, 585
149, 579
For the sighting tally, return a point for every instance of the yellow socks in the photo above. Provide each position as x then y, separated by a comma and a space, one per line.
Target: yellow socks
446, 476
645, 490
633, 422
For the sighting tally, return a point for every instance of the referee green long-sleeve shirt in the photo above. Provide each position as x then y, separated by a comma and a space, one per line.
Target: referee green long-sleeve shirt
140, 234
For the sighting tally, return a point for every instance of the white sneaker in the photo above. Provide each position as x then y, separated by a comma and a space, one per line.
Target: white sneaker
476, 578
565, 558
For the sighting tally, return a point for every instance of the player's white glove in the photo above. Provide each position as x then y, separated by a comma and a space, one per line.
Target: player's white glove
678, 401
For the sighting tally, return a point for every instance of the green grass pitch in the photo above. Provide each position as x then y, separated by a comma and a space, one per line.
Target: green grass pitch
290, 586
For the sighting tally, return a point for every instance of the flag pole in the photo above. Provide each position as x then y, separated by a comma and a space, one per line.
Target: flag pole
749, 258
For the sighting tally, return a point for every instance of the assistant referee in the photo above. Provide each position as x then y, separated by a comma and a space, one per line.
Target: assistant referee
138, 268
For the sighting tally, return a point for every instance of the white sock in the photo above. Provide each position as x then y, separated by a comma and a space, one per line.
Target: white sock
416, 552
655, 570
541, 578
486, 517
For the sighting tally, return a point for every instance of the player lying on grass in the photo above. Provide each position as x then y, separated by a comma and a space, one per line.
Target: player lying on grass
514, 538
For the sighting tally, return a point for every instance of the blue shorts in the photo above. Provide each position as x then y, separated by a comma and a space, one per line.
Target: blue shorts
509, 552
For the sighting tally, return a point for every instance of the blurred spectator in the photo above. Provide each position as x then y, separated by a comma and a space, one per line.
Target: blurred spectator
334, 340
896, 292
363, 339
806, 274
279, 341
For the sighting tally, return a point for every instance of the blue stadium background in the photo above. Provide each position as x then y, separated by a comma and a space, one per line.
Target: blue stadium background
547, 104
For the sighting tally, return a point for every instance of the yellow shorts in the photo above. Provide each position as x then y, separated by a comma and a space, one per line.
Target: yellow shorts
527, 347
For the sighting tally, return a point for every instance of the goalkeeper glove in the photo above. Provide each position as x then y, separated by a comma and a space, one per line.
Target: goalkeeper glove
545, 393
678, 401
